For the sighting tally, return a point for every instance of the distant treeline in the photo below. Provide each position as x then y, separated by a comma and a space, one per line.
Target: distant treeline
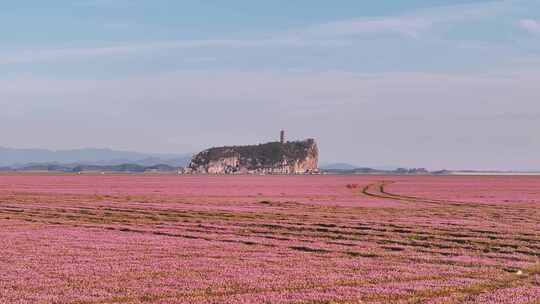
399, 171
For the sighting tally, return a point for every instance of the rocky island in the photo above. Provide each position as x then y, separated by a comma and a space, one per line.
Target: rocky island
292, 157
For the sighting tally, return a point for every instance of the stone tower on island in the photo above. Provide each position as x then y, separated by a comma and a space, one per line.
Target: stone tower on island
283, 157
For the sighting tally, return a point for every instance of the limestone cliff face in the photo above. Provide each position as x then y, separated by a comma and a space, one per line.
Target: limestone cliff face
298, 157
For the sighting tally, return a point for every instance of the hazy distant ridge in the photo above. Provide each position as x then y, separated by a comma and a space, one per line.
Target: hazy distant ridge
10, 157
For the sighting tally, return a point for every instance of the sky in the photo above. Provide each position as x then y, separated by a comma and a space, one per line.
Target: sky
415, 83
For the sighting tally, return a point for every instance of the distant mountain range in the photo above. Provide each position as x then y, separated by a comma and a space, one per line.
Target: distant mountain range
17, 158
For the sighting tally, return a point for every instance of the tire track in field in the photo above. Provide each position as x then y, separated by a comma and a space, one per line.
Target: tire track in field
378, 190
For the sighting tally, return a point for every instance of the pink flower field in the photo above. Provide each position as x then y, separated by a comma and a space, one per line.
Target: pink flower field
269, 239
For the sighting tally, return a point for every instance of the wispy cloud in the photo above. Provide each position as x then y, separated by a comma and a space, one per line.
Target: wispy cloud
104, 3
412, 24
530, 25
407, 26
40, 55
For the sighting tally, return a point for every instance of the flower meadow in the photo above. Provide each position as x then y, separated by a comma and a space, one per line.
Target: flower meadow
269, 239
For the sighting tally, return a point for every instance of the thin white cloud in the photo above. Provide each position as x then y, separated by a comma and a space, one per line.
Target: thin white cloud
407, 26
530, 25
104, 3
40, 55
411, 24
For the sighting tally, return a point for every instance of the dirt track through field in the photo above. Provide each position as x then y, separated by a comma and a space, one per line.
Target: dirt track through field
378, 190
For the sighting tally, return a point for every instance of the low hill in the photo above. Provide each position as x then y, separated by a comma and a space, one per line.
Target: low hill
338, 166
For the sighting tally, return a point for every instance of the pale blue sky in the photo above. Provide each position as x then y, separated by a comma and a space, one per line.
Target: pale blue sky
440, 84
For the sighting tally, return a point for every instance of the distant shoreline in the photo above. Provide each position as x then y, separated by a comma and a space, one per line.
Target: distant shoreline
467, 173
